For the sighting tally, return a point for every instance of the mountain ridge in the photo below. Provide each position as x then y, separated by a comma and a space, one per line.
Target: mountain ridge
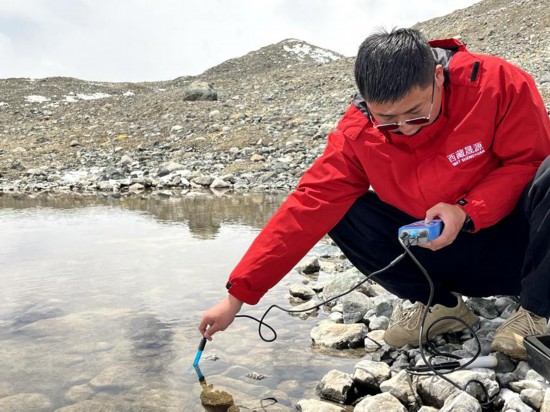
274, 108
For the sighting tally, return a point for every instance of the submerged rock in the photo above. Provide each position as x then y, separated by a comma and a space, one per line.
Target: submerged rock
338, 336
35, 402
213, 397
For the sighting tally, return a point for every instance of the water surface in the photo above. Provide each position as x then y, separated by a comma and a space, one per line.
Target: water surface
101, 298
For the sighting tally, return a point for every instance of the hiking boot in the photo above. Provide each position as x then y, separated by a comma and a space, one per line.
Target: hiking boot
404, 325
509, 336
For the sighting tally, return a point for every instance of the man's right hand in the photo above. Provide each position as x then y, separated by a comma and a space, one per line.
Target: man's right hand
220, 316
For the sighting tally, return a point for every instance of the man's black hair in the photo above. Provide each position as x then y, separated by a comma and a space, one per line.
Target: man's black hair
389, 65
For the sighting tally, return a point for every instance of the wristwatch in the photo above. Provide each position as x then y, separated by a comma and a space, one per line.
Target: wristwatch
468, 225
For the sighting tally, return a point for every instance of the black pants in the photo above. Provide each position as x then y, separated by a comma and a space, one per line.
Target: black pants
509, 258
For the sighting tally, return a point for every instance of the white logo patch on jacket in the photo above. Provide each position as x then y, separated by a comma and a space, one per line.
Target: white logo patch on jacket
466, 153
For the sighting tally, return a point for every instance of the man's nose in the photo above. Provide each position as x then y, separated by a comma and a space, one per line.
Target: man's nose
408, 129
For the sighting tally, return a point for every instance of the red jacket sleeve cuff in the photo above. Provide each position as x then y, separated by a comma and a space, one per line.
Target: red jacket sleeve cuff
245, 295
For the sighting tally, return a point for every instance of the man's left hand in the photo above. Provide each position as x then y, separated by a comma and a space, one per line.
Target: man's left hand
453, 217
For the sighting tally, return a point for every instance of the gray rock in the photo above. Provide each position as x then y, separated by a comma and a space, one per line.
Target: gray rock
304, 310
309, 266
402, 387
218, 183
204, 181
335, 386
336, 317
513, 401
344, 282
434, 390
520, 385
504, 363
374, 340
483, 307
301, 291
471, 346
381, 402
338, 336
504, 379
521, 370
314, 405
384, 304
255, 376
504, 302
532, 397
369, 374
136, 188
545, 407
533, 375
379, 323
355, 305
461, 402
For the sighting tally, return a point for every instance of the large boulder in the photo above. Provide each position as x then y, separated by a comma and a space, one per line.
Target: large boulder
200, 91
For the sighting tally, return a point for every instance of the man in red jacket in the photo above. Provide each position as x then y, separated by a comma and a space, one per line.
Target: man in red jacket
436, 131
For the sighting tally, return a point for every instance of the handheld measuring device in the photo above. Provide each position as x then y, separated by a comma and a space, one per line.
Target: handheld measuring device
421, 232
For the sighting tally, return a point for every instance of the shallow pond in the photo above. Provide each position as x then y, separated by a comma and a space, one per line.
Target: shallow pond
101, 298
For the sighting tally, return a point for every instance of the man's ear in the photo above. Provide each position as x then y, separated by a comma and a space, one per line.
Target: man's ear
439, 75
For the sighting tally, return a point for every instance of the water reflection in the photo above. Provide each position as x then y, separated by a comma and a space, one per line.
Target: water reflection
203, 213
101, 299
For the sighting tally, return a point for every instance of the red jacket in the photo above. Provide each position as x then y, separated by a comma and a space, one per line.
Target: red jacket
486, 145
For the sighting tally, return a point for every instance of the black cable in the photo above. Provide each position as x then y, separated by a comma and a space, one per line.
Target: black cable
427, 360
261, 320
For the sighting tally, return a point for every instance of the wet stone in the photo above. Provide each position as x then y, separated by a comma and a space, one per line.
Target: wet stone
374, 341
309, 266
255, 376
370, 374
338, 336
118, 376
216, 398
302, 292
335, 386
79, 393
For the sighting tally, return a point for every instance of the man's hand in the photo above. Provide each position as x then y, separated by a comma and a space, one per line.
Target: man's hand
219, 317
453, 217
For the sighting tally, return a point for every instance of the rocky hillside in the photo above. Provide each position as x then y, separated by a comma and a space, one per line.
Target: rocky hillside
273, 110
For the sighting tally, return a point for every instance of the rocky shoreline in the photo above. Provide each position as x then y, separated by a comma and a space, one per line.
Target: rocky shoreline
380, 381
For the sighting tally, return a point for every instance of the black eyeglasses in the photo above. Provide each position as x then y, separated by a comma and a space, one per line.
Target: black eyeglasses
417, 120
